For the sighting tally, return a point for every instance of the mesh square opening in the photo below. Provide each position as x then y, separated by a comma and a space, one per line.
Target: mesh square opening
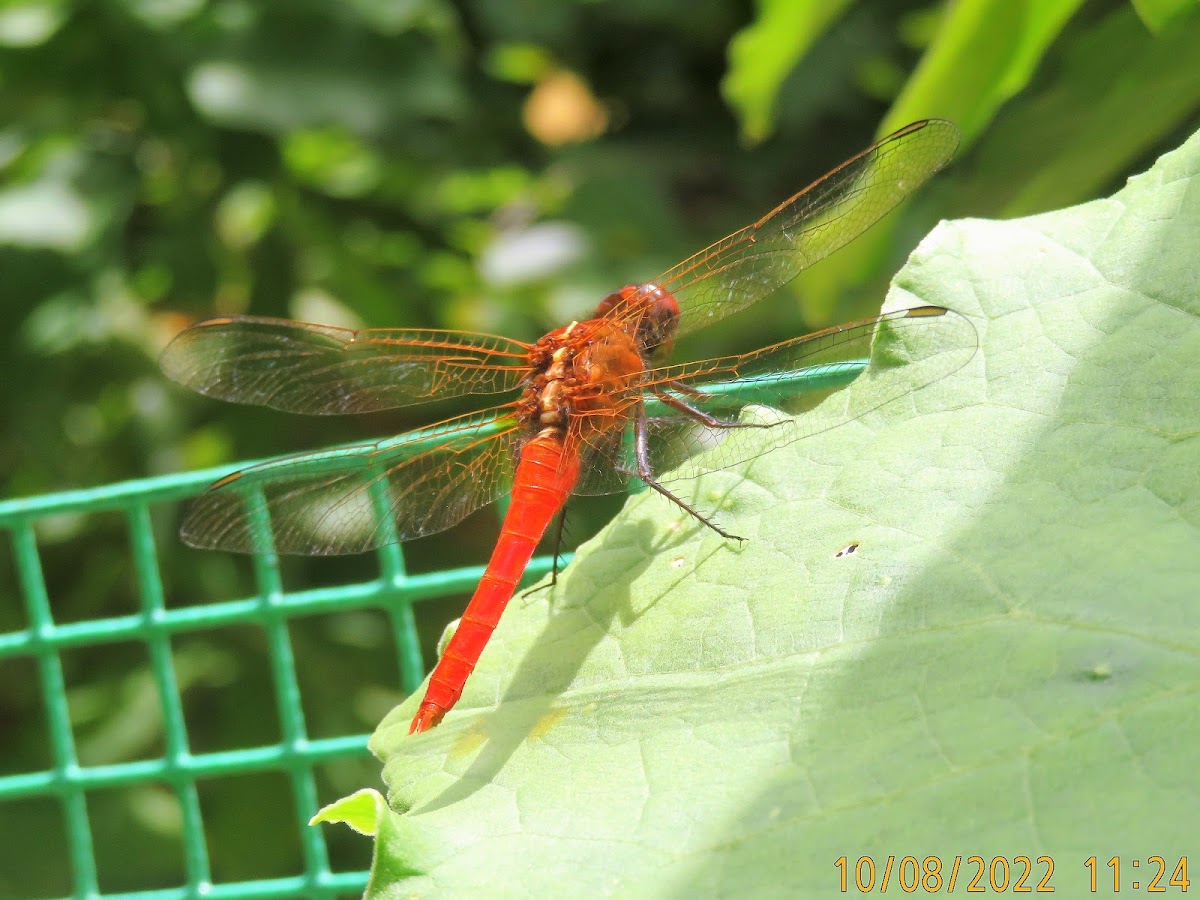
228, 689
26, 743
193, 577
251, 825
348, 671
137, 834
113, 701
12, 612
87, 565
306, 572
38, 867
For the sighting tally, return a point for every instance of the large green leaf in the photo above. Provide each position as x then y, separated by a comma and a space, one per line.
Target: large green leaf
1159, 14
763, 53
1093, 121
1085, 123
985, 51
1007, 665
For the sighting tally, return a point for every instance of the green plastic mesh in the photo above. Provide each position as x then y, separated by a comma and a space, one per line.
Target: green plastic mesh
154, 625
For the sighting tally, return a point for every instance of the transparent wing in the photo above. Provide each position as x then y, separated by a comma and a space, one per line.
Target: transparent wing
882, 359
324, 370
353, 499
749, 264
607, 463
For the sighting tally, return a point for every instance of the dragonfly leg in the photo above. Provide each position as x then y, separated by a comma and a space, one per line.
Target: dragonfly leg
558, 535
644, 472
710, 421
685, 388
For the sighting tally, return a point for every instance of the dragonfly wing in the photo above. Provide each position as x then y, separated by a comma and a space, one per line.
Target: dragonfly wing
749, 264
353, 499
607, 463
885, 358
324, 370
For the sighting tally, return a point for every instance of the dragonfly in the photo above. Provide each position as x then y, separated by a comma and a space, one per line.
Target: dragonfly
590, 408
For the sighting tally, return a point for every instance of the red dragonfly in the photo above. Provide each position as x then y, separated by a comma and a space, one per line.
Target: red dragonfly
591, 412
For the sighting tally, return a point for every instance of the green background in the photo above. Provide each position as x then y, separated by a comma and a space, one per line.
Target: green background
392, 164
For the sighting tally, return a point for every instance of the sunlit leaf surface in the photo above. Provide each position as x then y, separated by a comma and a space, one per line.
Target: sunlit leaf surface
1006, 664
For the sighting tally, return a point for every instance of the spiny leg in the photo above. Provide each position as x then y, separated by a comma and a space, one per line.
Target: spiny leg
692, 412
642, 455
558, 536
684, 388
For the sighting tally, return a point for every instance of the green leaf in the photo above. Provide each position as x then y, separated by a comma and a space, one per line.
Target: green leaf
321, 87
985, 52
29, 24
1159, 14
1092, 122
362, 811
1082, 128
1006, 666
763, 53
46, 213
367, 812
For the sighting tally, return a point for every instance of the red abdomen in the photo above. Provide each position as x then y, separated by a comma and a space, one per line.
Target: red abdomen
546, 475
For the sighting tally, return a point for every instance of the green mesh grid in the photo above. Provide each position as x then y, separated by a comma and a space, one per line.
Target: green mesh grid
270, 608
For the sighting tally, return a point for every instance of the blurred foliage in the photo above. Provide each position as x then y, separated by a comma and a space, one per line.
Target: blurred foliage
476, 164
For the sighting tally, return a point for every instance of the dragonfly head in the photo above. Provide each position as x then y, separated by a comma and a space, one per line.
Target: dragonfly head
653, 313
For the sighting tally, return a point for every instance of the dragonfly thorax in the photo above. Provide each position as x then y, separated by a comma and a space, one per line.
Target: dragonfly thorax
584, 372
